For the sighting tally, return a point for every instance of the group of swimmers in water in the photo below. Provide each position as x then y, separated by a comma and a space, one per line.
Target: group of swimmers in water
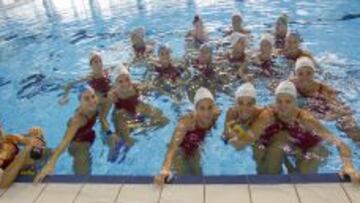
288, 129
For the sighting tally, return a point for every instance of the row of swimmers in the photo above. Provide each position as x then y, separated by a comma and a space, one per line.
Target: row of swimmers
125, 95
276, 132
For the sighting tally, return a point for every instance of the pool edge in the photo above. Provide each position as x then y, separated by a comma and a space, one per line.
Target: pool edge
223, 179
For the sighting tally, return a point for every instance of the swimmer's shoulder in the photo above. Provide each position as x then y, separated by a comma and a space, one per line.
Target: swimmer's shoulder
187, 121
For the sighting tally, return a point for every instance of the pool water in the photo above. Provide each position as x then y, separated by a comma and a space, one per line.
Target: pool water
45, 43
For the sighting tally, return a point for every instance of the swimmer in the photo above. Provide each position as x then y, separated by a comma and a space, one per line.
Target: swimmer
78, 137
239, 119
305, 133
322, 99
264, 59
164, 65
292, 49
281, 29
99, 80
237, 57
141, 48
204, 62
237, 25
13, 159
197, 35
183, 154
126, 96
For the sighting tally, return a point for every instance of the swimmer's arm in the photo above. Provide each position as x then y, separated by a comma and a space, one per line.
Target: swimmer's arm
312, 124
259, 126
12, 171
329, 92
70, 85
230, 117
176, 140
69, 135
16, 139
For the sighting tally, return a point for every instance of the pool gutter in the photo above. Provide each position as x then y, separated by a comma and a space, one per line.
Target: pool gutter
224, 179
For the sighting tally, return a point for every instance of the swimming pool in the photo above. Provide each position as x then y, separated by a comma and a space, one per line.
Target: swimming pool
45, 44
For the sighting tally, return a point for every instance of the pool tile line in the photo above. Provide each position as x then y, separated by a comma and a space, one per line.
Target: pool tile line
346, 193
42, 190
226, 179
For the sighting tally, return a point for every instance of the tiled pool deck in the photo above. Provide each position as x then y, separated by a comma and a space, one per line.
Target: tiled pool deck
325, 188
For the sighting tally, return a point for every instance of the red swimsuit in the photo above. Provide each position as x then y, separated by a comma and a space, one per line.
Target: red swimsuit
206, 69
267, 66
140, 49
168, 73
101, 84
86, 133
192, 140
129, 104
320, 105
236, 59
8, 161
300, 138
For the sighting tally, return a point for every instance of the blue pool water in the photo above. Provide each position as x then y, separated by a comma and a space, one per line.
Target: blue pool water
46, 43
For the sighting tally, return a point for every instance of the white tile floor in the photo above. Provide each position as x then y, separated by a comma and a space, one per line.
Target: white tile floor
142, 193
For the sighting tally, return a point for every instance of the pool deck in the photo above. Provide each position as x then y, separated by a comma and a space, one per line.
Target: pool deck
248, 189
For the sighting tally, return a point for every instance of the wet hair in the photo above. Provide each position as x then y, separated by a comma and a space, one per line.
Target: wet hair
196, 19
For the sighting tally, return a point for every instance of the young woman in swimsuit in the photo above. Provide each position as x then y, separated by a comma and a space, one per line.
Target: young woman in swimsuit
169, 76
99, 79
197, 35
78, 137
207, 73
281, 29
292, 49
13, 159
264, 59
237, 25
239, 119
322, 100
183, 154
237, 57
141, 48
126, 96
305, 133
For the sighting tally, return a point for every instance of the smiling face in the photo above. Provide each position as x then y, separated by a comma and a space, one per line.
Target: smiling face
205, 110
285, 105
124, 81
246, 107
96, 63
305, 75
88, 100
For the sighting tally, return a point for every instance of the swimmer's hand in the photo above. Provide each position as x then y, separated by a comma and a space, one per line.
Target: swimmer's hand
64, 100
163, 178
33, 142
351, 172
35, 138
48, 169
